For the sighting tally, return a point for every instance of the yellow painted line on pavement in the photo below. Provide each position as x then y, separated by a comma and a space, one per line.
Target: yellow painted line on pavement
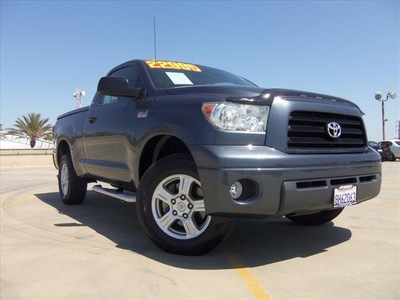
12, 204
244, 273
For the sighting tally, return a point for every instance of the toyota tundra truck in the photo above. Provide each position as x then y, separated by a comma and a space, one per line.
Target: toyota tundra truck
196, 147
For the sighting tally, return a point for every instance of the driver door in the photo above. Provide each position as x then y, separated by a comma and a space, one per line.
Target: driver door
110, 132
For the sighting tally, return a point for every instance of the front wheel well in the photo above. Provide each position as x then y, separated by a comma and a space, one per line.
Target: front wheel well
159, 147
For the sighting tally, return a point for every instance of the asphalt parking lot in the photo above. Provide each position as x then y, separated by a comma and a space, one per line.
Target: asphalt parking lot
97, 251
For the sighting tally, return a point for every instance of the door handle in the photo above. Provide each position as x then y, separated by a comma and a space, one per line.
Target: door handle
92, 119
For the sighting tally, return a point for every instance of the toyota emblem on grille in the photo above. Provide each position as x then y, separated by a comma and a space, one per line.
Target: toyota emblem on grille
334, 130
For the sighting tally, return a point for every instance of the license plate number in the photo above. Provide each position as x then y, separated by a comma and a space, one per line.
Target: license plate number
345, 195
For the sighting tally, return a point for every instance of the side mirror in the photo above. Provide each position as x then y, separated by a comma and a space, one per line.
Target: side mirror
116, 86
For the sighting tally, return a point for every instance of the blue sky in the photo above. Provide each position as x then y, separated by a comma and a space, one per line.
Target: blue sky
348, 49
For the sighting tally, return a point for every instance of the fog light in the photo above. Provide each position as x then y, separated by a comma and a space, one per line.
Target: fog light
236, 190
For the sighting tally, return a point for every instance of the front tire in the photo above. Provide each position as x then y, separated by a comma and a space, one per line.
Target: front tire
171, 208
318, 218
72, 188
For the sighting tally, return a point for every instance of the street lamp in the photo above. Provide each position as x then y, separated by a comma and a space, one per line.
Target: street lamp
378, 96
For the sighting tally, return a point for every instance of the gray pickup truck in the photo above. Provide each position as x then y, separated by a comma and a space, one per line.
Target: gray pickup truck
196, 147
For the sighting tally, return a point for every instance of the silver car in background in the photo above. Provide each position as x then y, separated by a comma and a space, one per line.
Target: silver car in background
394, 146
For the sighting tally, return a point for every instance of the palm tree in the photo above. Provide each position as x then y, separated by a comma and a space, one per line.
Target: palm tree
33, 126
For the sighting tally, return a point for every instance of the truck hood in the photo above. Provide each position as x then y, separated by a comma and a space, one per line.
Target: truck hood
256, 95
238, 91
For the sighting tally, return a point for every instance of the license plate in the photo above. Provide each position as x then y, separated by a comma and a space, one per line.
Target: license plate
345, 195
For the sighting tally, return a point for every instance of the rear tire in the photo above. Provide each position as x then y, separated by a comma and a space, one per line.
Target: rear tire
171, 209
318, 218
72, 188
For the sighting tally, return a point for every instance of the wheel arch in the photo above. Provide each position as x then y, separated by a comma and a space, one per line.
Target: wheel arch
62, 148
158, 147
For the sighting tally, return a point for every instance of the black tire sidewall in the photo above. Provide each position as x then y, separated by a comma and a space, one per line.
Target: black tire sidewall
76, 186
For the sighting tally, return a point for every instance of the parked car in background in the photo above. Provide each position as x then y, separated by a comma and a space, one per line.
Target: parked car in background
394, 146
383, 150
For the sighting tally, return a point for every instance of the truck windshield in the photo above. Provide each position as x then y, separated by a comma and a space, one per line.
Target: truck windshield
166, 74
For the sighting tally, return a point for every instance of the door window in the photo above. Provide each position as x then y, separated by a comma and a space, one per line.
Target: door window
132, 74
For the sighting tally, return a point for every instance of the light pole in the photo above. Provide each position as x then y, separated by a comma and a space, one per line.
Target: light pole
378, 96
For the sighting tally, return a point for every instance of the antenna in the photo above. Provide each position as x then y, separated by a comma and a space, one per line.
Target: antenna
155, 39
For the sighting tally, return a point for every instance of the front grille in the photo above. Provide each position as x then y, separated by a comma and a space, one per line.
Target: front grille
310, 130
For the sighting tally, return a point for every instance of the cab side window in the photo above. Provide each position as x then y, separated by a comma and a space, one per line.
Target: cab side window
108, 99
132, 74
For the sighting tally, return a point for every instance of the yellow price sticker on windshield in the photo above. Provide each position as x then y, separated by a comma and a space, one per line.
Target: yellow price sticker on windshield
160, 64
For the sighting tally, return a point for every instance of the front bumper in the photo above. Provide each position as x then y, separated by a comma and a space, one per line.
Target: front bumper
286, 183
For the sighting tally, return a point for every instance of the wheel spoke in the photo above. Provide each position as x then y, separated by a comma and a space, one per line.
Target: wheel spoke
185, 183
166, 221
190, 228
198, 206
163, 195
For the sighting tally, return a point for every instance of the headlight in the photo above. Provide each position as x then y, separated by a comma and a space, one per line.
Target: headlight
237, 117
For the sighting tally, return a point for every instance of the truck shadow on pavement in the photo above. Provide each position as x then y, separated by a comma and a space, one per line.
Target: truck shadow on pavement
251, 243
